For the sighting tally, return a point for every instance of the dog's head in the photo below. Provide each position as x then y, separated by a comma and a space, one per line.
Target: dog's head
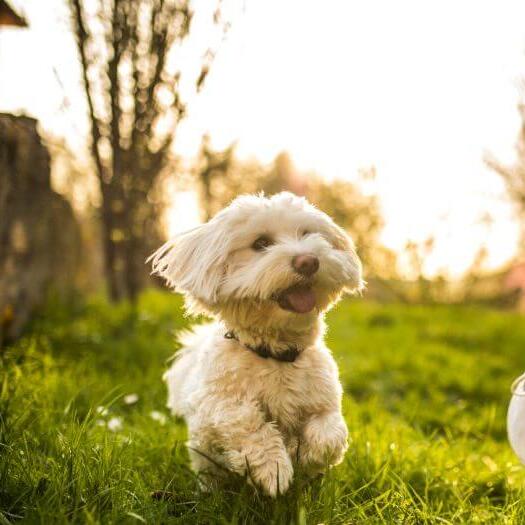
279, 254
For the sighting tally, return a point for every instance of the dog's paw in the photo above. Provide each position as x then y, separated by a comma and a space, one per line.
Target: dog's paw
324, 442
273, 477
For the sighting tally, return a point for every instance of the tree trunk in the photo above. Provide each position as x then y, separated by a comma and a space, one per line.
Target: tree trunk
115, 233
141, 239
109, 245
134, 267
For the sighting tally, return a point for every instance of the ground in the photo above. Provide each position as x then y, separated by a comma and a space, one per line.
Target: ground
426, 391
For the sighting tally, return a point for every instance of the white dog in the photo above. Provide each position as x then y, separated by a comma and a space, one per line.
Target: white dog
258, 388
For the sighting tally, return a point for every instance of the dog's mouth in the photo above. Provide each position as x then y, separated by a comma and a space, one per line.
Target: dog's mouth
299, 299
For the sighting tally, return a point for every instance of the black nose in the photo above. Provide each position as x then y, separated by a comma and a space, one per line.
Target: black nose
306, 265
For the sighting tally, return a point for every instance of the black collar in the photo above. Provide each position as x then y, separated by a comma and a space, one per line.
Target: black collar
264, 351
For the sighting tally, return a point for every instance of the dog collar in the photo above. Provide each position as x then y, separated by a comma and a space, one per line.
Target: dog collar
264, 351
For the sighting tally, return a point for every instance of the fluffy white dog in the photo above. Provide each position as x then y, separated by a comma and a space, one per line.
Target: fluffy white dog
258, 388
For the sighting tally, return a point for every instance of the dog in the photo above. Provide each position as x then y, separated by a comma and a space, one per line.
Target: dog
258, 388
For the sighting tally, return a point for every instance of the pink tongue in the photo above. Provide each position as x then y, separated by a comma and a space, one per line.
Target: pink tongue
299, 300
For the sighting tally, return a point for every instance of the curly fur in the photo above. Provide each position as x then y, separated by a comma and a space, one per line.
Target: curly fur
253, 416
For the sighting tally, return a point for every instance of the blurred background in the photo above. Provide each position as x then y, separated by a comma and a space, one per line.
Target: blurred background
125, 121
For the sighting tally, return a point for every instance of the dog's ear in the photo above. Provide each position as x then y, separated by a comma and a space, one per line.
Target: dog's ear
342, 242
193, 262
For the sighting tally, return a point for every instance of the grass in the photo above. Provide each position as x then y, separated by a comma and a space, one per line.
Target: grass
426, 395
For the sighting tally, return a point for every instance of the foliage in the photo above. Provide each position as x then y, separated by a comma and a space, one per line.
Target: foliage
426, 392
132, 79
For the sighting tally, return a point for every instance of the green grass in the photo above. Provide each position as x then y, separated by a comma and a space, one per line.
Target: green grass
426, 395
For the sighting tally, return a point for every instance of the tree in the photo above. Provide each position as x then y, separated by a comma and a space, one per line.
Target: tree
212, 166
514, 176
127, 51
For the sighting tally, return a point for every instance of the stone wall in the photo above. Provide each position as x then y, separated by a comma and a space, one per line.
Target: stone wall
39, 236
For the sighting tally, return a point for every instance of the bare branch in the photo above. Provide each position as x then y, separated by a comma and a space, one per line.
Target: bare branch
82, 38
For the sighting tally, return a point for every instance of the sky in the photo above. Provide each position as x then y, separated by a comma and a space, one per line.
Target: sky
421, 90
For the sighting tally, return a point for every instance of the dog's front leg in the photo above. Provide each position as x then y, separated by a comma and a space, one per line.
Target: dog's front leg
323, 442
258, 451
250, 445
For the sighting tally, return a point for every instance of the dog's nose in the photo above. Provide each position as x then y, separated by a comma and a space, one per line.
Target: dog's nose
306, 265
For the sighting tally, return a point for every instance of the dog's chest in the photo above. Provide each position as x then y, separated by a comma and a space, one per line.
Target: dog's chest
289, 395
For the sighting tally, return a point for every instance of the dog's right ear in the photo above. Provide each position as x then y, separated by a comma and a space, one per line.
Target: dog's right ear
193, 262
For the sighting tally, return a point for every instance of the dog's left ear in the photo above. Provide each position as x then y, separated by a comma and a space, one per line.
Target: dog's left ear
193, 262
342, 242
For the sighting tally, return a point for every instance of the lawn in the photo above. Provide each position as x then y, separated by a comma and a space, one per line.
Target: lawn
426, 394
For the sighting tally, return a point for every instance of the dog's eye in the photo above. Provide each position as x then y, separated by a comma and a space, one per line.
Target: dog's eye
261, 243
